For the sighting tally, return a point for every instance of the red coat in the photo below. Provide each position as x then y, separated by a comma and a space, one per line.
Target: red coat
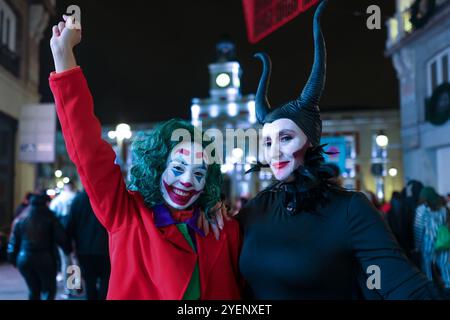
146, 262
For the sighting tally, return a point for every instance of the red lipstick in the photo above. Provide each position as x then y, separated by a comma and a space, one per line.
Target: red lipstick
280, 165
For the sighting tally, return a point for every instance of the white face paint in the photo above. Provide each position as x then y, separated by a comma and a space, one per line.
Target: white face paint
185, 176
284, 146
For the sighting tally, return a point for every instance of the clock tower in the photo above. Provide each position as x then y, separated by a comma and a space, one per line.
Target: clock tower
225, 73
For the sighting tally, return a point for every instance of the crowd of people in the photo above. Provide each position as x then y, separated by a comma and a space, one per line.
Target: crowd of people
418, 218
49, 237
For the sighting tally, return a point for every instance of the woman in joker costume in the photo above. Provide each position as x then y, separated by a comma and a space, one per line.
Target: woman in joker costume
304, 237
157, 249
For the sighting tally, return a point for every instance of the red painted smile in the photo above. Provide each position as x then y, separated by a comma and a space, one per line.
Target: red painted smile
280, 165
179, 196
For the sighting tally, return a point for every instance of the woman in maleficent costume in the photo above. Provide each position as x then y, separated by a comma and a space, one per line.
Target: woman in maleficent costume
304, 237
157, 249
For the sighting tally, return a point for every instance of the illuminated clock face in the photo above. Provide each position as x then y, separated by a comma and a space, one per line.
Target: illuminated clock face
223, 80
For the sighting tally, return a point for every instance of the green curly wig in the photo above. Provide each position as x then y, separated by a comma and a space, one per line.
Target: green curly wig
150, 154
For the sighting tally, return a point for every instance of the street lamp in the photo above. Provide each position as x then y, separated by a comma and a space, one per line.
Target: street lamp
393, 172
382, 140
379, 162
122, 133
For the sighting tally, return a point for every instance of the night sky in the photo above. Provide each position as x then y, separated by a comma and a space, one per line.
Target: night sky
146, 60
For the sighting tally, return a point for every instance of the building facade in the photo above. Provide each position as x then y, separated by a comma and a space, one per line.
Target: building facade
22, 24
419, 46
366, 163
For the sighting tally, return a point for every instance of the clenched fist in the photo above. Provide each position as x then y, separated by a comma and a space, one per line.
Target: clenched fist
62, 43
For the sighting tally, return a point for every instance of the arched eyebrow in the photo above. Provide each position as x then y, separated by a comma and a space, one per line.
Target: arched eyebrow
179, 160
287, 131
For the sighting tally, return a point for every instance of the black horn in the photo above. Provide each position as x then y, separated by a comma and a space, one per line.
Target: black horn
262, 102
313, 89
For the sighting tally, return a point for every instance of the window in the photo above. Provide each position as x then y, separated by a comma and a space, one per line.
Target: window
438, 71
445, 70
403, 5
1, 25
8, 27
434, 76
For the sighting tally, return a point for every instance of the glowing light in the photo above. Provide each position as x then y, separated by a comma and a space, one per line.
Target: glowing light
58, 173
223, 80
214, 111
251, 112
60, 184
232, 109
382, 141
195, 111
251, 159
393, 172
225, 168
407, 25
51, 192
112, 135
66, 180
393, 29
237, 153
380, 194
123, 131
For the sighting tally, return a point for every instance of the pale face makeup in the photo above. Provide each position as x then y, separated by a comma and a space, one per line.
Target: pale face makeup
284, 146
184, 178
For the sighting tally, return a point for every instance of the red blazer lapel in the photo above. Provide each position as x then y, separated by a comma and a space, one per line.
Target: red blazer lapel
173, 235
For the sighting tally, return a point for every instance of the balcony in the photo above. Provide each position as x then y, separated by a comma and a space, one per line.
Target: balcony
408, 20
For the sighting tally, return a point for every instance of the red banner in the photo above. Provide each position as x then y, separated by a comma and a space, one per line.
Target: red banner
265, 16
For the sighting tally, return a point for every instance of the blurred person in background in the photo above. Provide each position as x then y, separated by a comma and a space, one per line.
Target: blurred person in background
24, 204
405, 221
35, 234
91, 246
393, 213
60, 205
395, 199
430, 216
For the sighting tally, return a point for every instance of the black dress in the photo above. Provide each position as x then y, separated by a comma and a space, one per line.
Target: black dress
326, 254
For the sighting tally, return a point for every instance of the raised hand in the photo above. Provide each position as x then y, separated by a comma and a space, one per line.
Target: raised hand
62, 43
